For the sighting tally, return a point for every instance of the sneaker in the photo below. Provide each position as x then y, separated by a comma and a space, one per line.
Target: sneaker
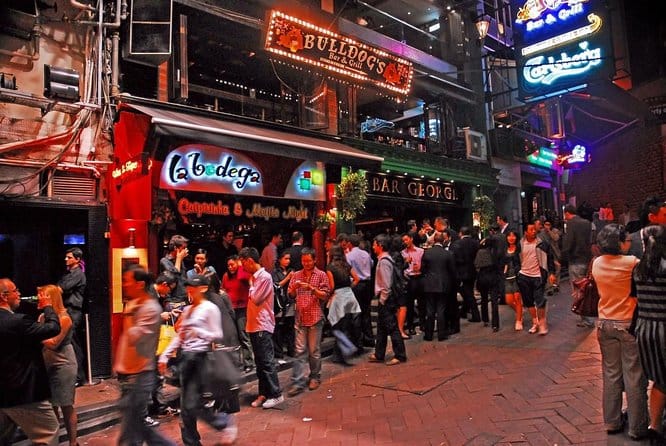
229, 434
534, 329
150, 422
272, 402
259, 401
314, 384
518, 326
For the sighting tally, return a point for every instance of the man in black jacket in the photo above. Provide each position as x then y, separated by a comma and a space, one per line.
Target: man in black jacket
577, 251
73, 285
24, 385
464, 251
439, 276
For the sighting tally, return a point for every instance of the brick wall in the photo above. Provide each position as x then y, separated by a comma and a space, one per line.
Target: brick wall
625, 169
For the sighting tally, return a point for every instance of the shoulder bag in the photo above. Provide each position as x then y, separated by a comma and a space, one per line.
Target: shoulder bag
586, 300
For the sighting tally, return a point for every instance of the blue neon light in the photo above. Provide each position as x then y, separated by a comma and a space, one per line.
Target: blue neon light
546, 70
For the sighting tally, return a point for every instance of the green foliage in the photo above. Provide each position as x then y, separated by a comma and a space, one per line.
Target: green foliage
323, 221
486, 208
352, 193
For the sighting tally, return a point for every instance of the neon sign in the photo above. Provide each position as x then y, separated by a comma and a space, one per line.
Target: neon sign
131, 169
543, 157
210, 169
595, 24
255, 210
304, 42
534, 9
546, 70
578, 155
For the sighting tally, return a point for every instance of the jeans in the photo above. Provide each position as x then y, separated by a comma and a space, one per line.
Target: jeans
243, 337
578, 271
308, 342
135, 394
621, 369
192, 387
262, 345
36, 419
387, 325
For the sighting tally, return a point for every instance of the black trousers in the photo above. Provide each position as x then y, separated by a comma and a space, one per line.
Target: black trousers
469, 302
387, 325
488, 284
363, 291
435, 311
78, 342
414, 292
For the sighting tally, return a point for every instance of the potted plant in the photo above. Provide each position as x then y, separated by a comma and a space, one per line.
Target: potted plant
352, 193
485, 207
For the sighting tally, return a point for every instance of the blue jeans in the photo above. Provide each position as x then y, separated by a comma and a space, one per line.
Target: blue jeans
308, 342
135, 394
622, 370
262, 345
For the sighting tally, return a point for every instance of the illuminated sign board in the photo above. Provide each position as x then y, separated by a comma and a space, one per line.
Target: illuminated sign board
131, 169
543, 157
561, 45
187, 208
307, 43
393, 186
205, 168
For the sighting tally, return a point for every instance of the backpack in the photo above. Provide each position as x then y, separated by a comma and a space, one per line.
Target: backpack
483, 258
398, 281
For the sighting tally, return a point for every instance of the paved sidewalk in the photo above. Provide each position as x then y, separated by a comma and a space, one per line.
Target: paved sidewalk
477, 388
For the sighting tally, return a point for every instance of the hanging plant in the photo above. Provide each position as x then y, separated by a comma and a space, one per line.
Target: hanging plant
352, 193
323, 222
486, 209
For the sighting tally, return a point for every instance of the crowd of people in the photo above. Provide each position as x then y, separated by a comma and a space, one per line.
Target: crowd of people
260, 305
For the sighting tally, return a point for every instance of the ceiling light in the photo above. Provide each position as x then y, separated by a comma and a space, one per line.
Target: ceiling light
434, 27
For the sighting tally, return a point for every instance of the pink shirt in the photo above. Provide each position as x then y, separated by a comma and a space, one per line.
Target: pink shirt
260, 316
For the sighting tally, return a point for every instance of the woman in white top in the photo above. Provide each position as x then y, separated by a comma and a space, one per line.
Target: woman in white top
198, 327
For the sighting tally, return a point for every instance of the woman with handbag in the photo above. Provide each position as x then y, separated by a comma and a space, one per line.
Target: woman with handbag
199, 327
510, 267
650, 280
620, 362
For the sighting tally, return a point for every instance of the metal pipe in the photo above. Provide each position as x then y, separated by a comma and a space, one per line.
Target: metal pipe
61, 166
79, 5
36, 33
120, 14
115, 70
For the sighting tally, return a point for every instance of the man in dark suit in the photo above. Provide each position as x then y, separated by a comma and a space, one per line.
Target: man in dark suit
295, 250
24, 385
504, 226
439, 275
464, 251
653, 213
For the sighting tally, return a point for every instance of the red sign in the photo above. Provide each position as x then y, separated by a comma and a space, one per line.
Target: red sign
307, 43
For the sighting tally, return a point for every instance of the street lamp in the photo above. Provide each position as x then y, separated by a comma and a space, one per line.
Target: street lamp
482, 24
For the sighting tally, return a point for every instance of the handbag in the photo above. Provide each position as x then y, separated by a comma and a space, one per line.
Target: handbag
167, 333
220, 375
586, 299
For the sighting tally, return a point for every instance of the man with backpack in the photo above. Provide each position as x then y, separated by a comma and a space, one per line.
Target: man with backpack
387, 288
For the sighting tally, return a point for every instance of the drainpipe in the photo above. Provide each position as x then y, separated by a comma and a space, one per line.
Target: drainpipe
115, 70
36, 33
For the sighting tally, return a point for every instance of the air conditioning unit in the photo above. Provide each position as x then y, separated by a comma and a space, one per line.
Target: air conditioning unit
476, 146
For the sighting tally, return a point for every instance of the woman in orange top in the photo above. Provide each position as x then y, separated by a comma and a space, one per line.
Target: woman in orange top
620, 363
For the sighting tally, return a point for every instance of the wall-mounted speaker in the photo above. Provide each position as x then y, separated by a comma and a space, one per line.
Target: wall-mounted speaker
148, 37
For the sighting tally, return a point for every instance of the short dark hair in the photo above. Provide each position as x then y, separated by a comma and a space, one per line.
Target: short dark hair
177, 241
650, 206
141, 274
76, 252
384, 241
610, 239
342, 237
465, 230
355, 239
249, 253
308, 252
201, 251
296, 236
166, 277
570, 209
